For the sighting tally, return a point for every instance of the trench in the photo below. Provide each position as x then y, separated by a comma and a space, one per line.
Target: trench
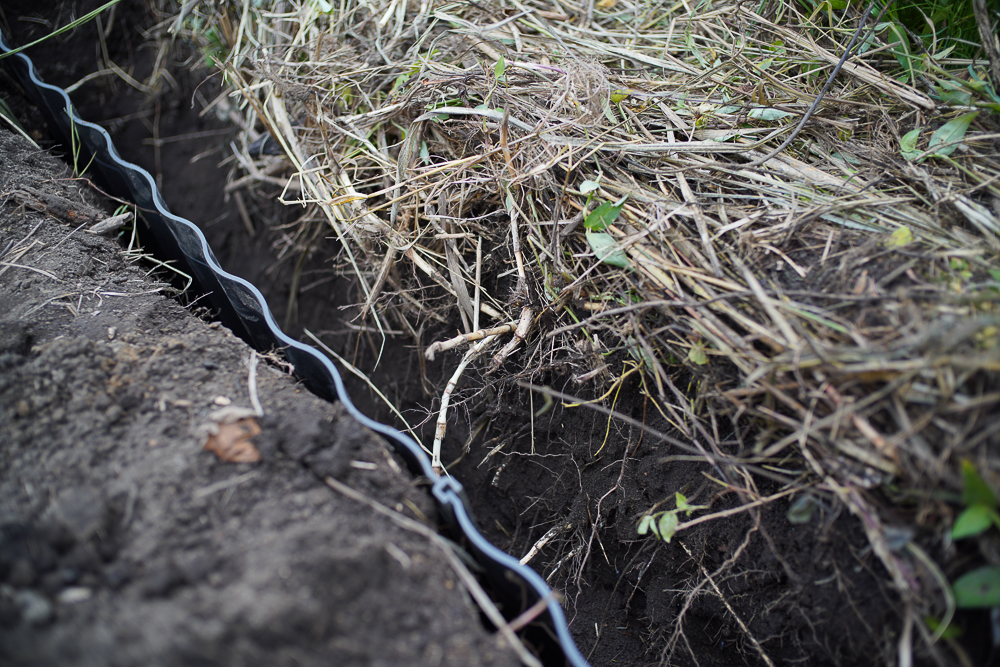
240, 306
555, 471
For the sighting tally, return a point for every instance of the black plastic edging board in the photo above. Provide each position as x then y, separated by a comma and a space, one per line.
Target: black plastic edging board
243, 310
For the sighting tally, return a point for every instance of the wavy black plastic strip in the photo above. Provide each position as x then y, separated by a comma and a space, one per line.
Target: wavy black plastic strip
243, 310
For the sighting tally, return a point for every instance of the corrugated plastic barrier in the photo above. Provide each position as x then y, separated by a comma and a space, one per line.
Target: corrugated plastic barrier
243, 309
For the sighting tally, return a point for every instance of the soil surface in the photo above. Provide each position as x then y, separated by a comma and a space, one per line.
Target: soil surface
751, 588
124, 542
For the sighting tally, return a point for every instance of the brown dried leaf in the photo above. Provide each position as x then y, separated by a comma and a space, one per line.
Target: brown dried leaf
231, 441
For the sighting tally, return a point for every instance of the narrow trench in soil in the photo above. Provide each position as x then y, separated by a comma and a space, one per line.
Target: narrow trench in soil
572, 470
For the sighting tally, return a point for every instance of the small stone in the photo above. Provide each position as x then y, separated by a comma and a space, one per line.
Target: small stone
74, 594
114, 413
34, 608
221, 400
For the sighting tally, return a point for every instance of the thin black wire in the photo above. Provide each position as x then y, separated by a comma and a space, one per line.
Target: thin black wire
829, 82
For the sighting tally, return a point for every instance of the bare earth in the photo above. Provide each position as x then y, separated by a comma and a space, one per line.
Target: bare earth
123, 542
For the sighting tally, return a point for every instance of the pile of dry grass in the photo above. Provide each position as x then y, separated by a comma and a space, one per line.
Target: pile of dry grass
582, 178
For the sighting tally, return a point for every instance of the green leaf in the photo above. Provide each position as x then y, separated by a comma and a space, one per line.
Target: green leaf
952, 93
802, 509
618, 96
668, 525
977, 589
681, 500
500, 68
850, 159
508, 203
767, 113
604, 215
994, 274
972, 521
974, 490
908, 144
696, 355
952, 131
974, 82
589, 186
645, 524
901, 51
603, 246
684, 506
608, 113
950, 632
601, 217
901, 237
638, 352
981, 86
400, 82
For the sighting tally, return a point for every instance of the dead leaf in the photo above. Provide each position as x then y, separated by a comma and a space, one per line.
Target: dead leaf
229, 435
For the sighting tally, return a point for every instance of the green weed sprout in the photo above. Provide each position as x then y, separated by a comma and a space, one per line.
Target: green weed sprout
980, 587
602, 243
980, 505
664, 524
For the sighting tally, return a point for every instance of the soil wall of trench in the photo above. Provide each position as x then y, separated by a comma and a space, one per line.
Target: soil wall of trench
231, 557
124, 542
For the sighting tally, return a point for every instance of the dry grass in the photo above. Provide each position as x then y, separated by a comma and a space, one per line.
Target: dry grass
836, 306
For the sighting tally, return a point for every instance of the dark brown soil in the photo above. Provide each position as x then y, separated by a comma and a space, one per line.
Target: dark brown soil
123, 542
729, 591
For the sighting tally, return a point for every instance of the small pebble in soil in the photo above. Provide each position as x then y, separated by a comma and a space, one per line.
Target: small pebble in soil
35, 609
74, 594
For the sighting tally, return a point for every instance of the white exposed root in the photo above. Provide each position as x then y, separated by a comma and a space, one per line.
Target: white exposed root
543, 540
441, 346
520, 333
442, 421
252, 383
112, 224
